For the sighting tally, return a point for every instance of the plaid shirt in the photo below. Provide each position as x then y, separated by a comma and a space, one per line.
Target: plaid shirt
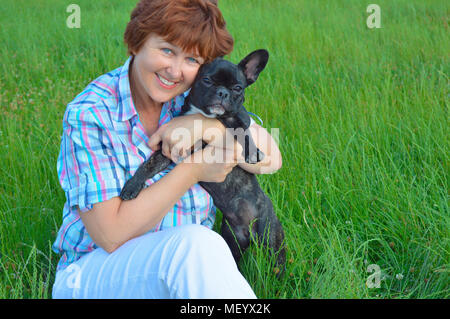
102, 146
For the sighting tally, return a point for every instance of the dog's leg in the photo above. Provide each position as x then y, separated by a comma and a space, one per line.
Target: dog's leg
252, 154
237, 238
271, 233
250, 151
155, 164
236, 225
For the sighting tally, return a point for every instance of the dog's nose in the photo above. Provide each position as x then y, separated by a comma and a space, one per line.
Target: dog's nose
222, 93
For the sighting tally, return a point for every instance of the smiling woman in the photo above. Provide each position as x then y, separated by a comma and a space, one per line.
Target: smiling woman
159, 245
159, 71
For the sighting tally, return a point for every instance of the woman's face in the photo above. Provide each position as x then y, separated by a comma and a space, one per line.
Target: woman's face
164, 70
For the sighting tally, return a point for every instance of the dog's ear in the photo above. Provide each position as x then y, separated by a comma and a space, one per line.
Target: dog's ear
253, 64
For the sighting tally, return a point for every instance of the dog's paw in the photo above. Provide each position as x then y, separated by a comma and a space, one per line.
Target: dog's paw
254, 158
130, 190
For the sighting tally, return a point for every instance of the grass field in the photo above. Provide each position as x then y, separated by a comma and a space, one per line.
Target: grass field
363, 121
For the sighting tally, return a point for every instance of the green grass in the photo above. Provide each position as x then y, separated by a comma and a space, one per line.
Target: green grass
363, 121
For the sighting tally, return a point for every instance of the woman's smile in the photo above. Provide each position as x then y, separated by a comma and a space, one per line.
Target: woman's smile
165, 83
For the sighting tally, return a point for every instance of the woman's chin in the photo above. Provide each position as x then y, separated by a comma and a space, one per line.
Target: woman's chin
163, 96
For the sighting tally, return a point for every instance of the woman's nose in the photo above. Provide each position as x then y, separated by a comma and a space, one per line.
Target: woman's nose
175, 68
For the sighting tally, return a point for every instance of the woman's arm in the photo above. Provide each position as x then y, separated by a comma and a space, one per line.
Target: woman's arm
213, 132
113, 222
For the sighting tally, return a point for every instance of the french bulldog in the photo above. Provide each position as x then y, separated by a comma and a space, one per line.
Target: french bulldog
218, 92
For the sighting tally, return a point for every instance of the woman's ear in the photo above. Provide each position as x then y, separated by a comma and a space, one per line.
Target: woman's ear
253, 64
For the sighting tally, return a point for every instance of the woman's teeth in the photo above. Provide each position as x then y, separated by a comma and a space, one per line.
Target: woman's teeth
163, 80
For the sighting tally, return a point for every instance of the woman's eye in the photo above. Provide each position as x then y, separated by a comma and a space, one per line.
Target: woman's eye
192, 60
166, 50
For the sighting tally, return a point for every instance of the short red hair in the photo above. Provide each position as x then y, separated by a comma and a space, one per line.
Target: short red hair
193, 25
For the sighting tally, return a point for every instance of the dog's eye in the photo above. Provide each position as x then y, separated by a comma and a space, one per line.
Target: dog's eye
207, 81
237, 88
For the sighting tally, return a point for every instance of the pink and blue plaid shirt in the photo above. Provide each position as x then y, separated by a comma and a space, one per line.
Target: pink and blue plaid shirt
102, 146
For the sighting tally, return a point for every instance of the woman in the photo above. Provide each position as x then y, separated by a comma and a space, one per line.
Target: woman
157, 245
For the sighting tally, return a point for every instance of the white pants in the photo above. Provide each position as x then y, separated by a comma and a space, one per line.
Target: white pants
188, 261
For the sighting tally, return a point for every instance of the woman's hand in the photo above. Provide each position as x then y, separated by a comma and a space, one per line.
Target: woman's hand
212, 164
180, 134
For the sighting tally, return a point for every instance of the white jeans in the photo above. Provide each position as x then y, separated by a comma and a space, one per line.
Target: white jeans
188, 261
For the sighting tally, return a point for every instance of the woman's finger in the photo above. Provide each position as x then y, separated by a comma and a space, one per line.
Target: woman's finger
166, 150
154, 141
177, 153
230, 156
156, 138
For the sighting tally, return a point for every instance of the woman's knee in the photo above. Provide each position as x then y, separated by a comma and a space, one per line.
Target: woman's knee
195, 232
199, 236
199, 244
194, 262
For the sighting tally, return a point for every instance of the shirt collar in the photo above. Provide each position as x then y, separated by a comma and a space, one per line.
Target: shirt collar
125, 107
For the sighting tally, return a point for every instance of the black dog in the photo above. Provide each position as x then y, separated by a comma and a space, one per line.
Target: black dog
218, 91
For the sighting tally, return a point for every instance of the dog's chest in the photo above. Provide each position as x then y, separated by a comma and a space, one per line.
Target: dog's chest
192, 109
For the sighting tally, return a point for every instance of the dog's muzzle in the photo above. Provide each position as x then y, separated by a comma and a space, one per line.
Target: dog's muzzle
216, 109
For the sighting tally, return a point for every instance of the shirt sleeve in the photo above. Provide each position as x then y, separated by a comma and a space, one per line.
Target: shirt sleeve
88, 169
